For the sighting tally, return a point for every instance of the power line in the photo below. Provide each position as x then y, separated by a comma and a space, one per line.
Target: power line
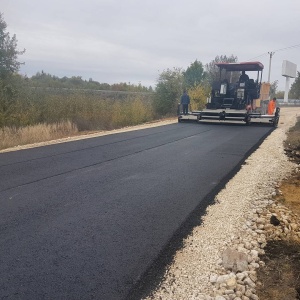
295, 46
267, 53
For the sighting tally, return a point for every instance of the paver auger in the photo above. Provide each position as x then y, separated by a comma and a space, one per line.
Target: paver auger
235, 101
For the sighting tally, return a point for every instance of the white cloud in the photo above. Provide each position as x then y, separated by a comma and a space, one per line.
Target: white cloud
132, 41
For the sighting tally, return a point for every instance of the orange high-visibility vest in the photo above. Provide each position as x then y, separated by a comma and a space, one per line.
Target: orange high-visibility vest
271, 107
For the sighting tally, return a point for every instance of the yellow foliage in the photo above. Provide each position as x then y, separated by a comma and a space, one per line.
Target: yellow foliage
198, 96
130, 112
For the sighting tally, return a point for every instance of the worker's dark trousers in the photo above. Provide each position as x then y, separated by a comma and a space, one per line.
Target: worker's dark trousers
185, 108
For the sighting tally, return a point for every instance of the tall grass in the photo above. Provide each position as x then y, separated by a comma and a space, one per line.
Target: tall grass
37, 115
12, 136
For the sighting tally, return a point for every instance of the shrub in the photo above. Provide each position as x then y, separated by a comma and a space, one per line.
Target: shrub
198, 95
168, 91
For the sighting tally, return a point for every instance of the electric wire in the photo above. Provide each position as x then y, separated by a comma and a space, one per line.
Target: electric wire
281, 49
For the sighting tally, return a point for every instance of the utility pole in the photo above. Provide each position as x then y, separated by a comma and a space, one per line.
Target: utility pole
271, 55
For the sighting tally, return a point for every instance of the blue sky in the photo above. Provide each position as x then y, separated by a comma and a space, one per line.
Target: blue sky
134, 41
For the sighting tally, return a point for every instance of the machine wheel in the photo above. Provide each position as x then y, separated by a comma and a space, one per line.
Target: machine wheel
247, 120
275, 122
222, 116
179, 120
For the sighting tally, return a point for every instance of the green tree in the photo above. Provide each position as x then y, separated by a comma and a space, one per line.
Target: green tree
213, 72
279, 94
168, 91
10, 82
8, 51
295, 88
194, 74
273, 88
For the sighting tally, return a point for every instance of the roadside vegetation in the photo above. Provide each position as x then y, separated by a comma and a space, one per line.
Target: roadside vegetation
54, 107
45, 107
12, 136
280, 277
292, 144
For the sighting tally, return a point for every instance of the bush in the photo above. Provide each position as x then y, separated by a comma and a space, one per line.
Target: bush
198, 95
168, 91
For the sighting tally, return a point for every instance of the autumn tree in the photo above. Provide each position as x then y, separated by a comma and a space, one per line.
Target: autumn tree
198, 95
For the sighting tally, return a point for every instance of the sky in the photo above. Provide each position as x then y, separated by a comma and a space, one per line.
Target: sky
134, 41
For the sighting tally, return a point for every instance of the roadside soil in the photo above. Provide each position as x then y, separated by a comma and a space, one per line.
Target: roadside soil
280, 277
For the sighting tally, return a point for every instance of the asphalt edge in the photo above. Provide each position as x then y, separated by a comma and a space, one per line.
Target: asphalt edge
153, 275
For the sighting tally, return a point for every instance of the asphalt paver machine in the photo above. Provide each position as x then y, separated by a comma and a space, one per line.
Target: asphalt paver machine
232, 98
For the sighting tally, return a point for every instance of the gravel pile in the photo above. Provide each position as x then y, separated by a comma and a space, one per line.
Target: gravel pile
220, 258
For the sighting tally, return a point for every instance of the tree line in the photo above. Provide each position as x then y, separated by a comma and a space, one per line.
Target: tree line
42, 79
20, 105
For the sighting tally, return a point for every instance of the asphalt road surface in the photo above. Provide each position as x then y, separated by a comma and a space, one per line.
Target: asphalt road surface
86, 219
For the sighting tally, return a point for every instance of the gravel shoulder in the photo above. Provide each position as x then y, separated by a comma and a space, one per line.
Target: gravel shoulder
234, 230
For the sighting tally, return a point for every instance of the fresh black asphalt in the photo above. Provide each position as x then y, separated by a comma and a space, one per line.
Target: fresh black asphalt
86, 219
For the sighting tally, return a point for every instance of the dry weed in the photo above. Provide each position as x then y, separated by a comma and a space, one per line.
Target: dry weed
12, 136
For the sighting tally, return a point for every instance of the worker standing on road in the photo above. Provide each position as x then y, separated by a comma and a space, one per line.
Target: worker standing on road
272, 106
185, 101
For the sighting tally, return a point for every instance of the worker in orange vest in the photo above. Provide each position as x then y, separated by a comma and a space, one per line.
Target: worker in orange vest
272, 106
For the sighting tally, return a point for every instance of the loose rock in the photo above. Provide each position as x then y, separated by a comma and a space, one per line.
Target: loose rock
223, 254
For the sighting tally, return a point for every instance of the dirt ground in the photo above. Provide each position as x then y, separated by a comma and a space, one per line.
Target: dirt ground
280, 277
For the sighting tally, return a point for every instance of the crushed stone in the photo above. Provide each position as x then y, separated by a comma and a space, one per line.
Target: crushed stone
238, 223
